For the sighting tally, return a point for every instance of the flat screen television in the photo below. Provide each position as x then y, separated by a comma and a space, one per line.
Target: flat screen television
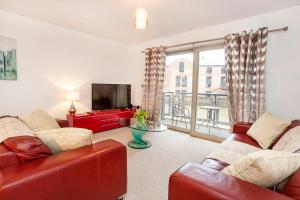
111, 96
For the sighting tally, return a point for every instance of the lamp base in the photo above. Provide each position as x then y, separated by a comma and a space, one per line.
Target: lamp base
72, 109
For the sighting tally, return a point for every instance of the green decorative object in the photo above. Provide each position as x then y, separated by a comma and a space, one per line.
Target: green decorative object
140, 118
139, 127
138, 132
138, 142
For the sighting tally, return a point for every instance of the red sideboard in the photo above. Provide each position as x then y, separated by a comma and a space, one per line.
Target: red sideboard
99, 121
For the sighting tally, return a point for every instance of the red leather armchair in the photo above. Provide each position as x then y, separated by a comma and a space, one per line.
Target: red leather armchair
204, 180
94, 172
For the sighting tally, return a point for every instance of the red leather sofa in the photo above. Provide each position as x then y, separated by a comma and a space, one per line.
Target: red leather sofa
94, 172
204, 180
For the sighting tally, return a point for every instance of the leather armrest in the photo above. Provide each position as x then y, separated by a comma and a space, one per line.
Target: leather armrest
241, 127
194, 181
63, 123
101, 169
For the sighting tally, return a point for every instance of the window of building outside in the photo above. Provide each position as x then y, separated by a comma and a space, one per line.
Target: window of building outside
223, 71
181, 66
208, 81
178, 81
184, 81
223, 82
209, 70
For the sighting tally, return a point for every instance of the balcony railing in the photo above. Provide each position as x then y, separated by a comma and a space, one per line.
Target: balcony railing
203, 99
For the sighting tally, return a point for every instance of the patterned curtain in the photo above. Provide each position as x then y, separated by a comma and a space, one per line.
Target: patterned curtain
153, 83
245, 66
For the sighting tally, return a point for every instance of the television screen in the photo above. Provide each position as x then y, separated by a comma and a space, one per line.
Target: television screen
109, 96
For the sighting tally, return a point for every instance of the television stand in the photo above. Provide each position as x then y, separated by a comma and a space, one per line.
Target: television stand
100, 120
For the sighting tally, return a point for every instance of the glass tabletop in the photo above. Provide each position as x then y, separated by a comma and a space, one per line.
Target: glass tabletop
131, 124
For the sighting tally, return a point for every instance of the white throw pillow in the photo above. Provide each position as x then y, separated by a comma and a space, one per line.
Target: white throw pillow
290, 141
39, 120
12, 127
65, 138
266, 129
265, 168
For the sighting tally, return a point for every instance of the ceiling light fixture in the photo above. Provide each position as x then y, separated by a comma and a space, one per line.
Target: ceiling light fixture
141, 19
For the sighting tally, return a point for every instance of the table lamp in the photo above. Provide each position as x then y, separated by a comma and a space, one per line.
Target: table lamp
72, 96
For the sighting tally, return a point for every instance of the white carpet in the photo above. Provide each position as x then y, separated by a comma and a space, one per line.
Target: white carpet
149, 169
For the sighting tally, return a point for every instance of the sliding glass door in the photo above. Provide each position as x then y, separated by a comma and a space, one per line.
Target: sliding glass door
211, 105
195, 93
177, 92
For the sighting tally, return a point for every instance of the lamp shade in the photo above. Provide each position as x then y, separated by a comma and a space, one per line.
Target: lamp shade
141, 19
72, 96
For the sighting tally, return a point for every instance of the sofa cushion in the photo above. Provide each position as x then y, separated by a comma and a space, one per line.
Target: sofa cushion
266, 129
289, 142
244, 139
7, 157
292, 187
230, 151
39, 120
65, 138
214, 164
27, 147
293, 124
241, 127
11, 127
265, 168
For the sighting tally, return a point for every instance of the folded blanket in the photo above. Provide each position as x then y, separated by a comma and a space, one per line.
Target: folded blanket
230, 151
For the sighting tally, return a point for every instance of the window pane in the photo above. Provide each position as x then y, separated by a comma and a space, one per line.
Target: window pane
181, 67
212, 112
184, 81
177, 93
178, 81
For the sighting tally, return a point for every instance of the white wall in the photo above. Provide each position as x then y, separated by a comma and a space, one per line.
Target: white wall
52, 60
283, 57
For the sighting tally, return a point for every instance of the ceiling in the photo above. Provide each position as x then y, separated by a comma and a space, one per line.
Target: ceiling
113, 19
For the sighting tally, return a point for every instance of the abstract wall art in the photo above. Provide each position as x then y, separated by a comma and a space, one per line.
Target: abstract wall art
8, 59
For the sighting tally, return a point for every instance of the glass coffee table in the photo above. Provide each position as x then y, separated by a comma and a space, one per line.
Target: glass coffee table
138, 132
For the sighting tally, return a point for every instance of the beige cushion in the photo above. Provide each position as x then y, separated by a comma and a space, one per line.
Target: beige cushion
12, 127
264, 168
266, 129
65, 138
230, 151
290, 141
39, 120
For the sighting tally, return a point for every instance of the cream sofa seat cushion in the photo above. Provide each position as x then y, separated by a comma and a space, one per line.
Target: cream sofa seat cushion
290, 141
12, 127
264, 168
230, 151
266, 129
39, 120
65, 138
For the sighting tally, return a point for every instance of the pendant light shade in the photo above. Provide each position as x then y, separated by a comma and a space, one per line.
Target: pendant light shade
141, 19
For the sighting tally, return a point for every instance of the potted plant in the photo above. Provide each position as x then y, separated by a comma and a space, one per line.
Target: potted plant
140, 117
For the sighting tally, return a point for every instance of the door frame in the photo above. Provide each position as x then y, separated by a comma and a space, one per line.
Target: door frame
179, 52
195, 86
196, 50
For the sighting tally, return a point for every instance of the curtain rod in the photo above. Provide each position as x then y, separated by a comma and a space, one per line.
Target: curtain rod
221, 38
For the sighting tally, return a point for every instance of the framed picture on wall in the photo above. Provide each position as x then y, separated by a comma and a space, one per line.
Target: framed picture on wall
8, 59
